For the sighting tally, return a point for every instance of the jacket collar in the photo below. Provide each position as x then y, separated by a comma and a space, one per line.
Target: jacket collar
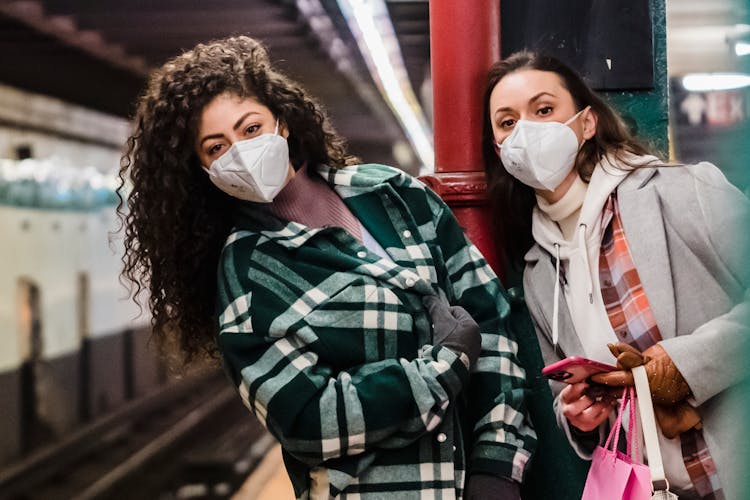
348, 181
639, 178
640, 210
357, 176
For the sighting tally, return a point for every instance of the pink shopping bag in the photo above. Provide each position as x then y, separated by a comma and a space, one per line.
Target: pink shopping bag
614, 475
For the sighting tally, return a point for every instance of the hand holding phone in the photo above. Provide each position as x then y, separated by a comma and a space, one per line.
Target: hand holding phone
585, 405
575, 369
583, 411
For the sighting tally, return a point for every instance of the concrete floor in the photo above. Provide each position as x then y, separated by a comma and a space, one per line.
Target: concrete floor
268, 481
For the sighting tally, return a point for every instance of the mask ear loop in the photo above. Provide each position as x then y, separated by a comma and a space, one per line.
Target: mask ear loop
572, 119
575, 116
498, 149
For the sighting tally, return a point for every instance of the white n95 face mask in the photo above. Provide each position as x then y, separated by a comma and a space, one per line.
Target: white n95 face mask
254, 169
540, 154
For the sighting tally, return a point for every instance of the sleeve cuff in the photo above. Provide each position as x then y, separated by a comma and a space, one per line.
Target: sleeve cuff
583, 443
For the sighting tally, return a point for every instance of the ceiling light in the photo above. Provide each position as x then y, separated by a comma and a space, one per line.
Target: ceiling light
370, 24
704, 82
742, 48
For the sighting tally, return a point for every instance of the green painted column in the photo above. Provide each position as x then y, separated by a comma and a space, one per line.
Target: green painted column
738, 142
649, 110
741, 137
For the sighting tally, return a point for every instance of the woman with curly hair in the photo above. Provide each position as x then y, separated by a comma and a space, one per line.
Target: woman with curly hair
339, 296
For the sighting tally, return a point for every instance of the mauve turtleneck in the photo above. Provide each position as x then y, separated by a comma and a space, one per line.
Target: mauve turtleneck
309, 200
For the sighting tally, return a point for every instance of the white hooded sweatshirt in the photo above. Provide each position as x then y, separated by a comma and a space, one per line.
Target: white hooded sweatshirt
577, 260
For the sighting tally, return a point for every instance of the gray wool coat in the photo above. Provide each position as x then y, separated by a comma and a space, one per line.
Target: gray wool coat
687, 229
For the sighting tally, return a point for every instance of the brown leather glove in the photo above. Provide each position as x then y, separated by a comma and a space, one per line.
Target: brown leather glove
668, 387
664, 379
676, 419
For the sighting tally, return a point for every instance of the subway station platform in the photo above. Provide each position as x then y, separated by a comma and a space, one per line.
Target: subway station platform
268, 481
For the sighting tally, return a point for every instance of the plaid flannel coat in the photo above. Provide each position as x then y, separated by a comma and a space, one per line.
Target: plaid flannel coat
331, 347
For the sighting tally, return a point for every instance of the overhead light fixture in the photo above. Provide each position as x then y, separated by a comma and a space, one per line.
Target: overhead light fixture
328, 37
705, 82
742, 48
371, 26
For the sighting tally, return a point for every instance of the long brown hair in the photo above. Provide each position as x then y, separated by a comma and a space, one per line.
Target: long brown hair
511, 201
175, 219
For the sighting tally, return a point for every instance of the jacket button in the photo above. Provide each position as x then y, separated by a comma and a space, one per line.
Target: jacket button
407, 234
362, 254
409, 282
442, 437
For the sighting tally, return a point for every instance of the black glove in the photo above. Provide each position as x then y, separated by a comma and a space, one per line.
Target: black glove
486, 487
453, 327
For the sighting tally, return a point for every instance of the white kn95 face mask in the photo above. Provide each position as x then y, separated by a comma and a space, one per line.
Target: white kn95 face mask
255, 169
540, 154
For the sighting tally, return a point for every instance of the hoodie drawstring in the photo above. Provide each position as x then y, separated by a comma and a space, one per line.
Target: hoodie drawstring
556, 299
585, 251
556, 296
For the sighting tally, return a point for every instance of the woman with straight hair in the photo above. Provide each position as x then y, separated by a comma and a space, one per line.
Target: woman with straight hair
626, 256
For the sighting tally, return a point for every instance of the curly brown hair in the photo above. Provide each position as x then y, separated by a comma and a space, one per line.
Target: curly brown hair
175, 219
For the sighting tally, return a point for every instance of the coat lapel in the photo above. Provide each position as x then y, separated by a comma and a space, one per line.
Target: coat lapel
640, 209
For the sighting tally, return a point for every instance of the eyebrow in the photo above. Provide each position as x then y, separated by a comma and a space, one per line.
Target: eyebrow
234, 127
531, 101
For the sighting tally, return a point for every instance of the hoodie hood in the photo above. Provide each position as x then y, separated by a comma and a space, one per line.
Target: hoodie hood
607, 175
578, 254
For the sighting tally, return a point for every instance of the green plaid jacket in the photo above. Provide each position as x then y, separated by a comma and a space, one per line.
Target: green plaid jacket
331, 347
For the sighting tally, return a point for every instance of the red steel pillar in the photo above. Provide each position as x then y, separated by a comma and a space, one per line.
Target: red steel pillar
464, 42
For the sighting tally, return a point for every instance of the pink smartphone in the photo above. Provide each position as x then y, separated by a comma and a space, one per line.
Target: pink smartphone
575, 369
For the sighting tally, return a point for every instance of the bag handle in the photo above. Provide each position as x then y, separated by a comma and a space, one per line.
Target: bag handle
614, 433
633, 451
628, 396
648, 424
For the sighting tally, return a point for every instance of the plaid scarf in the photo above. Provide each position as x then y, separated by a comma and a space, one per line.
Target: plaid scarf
633, 322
